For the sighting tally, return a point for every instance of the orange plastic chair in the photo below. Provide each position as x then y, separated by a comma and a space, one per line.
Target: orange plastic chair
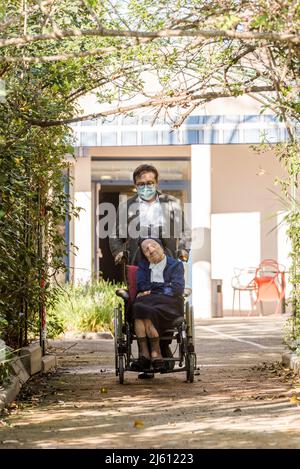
269, 283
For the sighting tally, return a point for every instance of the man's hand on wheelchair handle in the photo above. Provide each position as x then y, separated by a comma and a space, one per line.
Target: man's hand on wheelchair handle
183, 255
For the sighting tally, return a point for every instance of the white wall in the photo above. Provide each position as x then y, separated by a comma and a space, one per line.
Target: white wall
244, 214
82, 224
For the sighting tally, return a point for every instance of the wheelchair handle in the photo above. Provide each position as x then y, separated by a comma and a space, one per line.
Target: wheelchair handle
182, 253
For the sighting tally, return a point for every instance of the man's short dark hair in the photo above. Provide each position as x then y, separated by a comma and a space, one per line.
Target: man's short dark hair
145, 168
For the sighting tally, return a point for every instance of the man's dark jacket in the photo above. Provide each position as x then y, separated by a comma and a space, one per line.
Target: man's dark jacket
175, 233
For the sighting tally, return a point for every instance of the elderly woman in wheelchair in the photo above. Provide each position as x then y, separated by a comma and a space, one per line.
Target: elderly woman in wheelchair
155, 313
159, 301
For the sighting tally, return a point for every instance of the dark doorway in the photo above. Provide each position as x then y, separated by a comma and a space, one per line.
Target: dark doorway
107, 268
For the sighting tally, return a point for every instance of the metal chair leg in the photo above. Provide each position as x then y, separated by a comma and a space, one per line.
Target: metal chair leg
232, 312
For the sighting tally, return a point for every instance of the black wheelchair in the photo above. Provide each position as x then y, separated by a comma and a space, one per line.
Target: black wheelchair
181, 331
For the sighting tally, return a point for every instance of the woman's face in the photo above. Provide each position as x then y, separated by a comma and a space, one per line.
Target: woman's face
152, 250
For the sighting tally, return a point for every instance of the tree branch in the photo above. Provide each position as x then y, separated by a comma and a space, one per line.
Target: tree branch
154, 102
164, 33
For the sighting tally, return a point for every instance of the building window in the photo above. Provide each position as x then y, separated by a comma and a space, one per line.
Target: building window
149, 138
251, 118
231, 136
89, 122
211, 136
169, 137
129, 138
109, 138
270, 118
193, 120
252, 136
130, 120
193, 137
234, 119
271, 135
211, 120
88, 139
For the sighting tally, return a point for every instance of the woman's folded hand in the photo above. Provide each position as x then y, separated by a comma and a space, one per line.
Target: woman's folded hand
143, 293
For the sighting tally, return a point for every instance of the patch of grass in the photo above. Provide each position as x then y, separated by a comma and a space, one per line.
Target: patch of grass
86, 307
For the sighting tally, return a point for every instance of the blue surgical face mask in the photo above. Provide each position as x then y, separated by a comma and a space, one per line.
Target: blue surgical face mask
146, 192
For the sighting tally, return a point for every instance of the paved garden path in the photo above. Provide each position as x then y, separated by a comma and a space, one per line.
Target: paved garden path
240, 399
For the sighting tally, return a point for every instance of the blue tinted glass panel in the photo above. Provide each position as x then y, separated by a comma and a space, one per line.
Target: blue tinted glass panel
109, 138
89, 122
149, 138
202, 119
193, 120
235, 119
169, 137
211, 119
110, 121
271, 135
88, 139
270, 118
252, 136
130, 120
231, 136
251, 118
129, 138
193, 137
211, 136
148, 120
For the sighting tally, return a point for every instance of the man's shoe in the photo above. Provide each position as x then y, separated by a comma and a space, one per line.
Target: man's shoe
146, 376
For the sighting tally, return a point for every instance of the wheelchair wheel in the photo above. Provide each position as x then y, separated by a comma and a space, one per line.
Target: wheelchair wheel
190, 364
117, 334
189, 316
121, 361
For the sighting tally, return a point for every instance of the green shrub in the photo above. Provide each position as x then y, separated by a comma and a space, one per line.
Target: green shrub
85, 307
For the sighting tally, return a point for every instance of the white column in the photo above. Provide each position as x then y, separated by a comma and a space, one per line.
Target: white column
201, 229
83, 224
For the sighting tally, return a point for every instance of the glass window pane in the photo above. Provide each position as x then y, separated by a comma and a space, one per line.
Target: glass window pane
130, 120
230, 136
252, 118
211, 119
211, 136
270, 118
252, 136
88, 139
271, 135
193, 137
109, 138
149, 138
234, 119
192, 120
129, 138
89, 122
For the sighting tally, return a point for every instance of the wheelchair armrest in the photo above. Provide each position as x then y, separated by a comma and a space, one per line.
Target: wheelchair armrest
122, 293
187, 292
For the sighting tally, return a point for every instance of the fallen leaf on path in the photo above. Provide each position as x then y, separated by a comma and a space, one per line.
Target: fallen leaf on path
138, 424
103, 390
294, 400
238, 409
